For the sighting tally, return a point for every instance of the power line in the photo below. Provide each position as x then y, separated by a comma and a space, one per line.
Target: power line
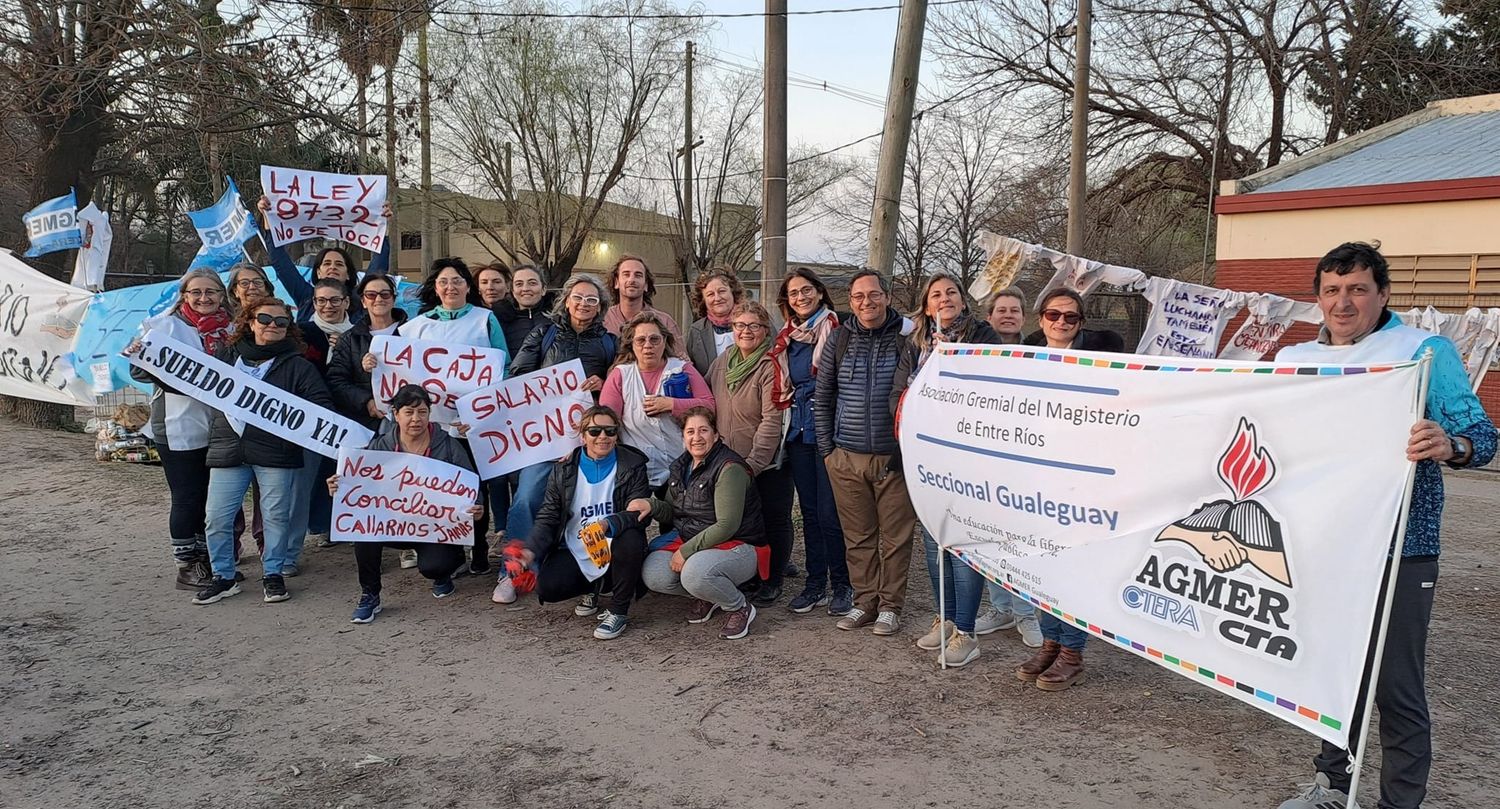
585, 15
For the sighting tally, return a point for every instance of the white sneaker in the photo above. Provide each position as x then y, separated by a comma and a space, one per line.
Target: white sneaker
505, 592
888, 623
1320, 795
408, 559
961, 650
1031, 631
993, 620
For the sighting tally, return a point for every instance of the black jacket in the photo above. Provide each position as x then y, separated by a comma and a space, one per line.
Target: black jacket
517, 323
348, 381
562, 481
1087, 340
855, 401
290, 372
443, 448
592, 347
692, 498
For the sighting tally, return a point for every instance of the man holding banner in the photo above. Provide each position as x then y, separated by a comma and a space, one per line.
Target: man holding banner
1352, 283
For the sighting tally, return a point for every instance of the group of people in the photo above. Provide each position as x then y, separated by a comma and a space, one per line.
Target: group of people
698, 446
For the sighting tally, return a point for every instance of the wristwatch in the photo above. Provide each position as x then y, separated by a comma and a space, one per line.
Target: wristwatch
1462, 451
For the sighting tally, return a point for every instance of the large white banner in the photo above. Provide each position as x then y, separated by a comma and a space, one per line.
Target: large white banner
39, 319
526, 419
244, 398
448, 372
402, 497
318, 205
1229, 521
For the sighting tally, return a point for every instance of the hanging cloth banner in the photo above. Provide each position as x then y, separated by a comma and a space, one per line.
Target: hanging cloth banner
402, 497
526, 419
1186, 319
1004, 258
1188, 511
1267, 317
242, 397
319, 205
93, 255
223, 227
39, 318
53, 225
1475, 333
447, 372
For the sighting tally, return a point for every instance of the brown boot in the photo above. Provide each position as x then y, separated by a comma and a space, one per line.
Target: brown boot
196, 575
1028, 671
1066, 671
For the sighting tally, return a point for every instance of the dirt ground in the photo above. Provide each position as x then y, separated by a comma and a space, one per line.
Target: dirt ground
115, 691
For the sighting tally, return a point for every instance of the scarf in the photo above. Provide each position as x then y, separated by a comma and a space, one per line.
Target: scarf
332, 329
213, 328
720, 326
740, 365
956, 331
814, 331
252, 352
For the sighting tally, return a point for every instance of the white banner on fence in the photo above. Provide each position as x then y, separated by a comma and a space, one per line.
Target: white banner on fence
1229, 521
526, 419
448, 372
402, 497
318, 205
39, 319
241, 396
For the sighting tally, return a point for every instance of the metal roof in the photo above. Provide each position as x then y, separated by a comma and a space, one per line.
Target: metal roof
1450, 147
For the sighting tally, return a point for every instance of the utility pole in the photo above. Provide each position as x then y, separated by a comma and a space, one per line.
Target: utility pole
900, 102
773, 191
392, 182
425, 121
690, 244
1078, 161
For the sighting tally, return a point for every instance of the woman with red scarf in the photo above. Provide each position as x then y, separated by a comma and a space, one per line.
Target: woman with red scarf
179, 424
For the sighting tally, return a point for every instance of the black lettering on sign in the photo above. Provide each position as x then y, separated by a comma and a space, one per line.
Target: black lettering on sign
14, 309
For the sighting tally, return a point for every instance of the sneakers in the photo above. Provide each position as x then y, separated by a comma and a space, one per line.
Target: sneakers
290, 569
442, 588
737, 623
767, 594
586, 606
937, 636
1320, 794
367, 609
961, 650
701, 611
479, 565
855, 618
842, 601
320, 540
808, 600
1031, 631
408, 559
610, 626
217, 590
993, 620
505, 591
887, 624
274, 588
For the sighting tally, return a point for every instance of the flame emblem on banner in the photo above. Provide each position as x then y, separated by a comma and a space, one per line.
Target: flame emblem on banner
1246, 467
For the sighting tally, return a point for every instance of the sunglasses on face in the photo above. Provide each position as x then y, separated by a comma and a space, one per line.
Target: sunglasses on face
596, 431
1054, 315
279, 321
651, 340
377, 296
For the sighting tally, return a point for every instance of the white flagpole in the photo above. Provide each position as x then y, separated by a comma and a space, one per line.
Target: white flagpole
1361, 734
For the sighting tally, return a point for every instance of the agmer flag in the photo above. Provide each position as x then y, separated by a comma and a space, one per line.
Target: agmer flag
223, 227
1229, 521
53, 225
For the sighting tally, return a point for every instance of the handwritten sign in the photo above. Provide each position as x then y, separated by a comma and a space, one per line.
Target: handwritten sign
318, 205
448, 372
402, 497
242, 397
38, 321
526, 419
1187, 319
1269, 316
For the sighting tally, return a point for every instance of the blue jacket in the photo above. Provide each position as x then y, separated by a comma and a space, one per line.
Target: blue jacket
855, 400
802, 427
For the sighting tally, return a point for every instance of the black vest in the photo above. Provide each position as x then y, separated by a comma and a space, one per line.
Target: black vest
693, 499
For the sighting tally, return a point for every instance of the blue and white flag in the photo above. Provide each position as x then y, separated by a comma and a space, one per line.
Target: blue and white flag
53, 225
223, 227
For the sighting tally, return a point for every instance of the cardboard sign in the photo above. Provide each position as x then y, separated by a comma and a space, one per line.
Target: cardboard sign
402, 497
319, 205
448, 372
526, 419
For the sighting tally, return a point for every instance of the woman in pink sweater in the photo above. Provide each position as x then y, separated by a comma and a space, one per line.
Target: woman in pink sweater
650, 387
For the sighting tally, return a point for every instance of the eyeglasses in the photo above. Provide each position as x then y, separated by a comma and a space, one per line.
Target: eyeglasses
202, 293
279, 321
248, 283
608, 432
803, 292
1054, 315
873, 297
584, 300
377, 296
329, 301
450, 283
651, 340
740, 328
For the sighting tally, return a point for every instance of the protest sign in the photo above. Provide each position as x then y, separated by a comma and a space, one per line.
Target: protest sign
1267, 317
448, 372
318, 205
402, 497
1186, 319
223, 227
244, 398
39, 318
93, 255
1189, 511
526, 419
53, 225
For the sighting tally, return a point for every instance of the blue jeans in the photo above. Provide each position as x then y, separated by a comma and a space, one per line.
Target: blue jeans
226, 496
1005, 601
531, 487
822, 536
1071, 636
962, 585
499, 494
310, 512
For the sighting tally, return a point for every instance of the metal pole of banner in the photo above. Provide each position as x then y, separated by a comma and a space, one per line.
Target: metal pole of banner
942, 555
1392, 570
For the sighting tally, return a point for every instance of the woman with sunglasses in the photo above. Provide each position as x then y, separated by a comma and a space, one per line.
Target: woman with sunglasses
352, 363
331, 262
179, 424
577, 548
1062, 322
746, 381
650, 387
268, 346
